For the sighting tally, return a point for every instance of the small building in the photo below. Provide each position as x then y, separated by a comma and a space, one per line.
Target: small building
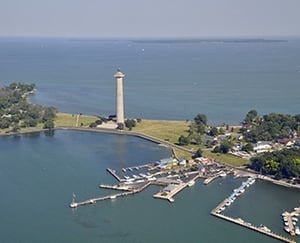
203, 160
182, 162
167, 162
262, 146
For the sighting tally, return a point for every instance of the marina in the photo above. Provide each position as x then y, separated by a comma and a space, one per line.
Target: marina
176, 178
290, 220
217, 212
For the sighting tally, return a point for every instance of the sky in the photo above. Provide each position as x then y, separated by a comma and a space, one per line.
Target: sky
149, 18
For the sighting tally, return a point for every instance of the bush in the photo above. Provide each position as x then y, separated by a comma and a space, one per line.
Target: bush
49, 124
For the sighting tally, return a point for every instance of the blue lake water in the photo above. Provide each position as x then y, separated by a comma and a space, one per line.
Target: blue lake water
172, 81
39, 173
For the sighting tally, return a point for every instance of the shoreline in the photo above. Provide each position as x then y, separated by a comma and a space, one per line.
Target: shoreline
239, 171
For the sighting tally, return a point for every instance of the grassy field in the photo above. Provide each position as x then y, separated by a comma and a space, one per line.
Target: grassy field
165, 130
227, 158
64, 119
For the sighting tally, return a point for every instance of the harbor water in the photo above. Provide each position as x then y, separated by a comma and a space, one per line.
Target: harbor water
40, 172
164, 80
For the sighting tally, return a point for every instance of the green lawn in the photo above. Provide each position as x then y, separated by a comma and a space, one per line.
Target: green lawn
165, 130
227, 158
69, 120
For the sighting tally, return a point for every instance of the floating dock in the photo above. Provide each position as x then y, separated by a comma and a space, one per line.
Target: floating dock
114, 174
288, 220
252, 227
109, 197
138, 167
261, 229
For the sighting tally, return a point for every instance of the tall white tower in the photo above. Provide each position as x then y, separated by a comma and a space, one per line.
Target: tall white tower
120, 99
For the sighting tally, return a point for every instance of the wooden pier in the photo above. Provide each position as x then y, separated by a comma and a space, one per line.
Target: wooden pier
177, 188
109, 197
137, 167
287, 218
252, 227
114, 174
115, 187
262, 229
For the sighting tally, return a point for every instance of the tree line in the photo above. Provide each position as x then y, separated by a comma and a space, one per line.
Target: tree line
281, 164
16, 112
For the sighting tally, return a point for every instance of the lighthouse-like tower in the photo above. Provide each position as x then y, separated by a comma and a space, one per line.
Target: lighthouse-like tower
120, 98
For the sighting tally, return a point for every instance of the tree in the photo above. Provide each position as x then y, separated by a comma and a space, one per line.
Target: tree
98, 122
221, 131
247, 147
201, 119
4, 123
48, 124
93, 125
213, 132
15, 128
251, 115
49, 113
225, 146
198, 153
120, 126
130, 123
182, 140
195, 138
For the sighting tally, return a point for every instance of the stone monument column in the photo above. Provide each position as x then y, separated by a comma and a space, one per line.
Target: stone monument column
120, 98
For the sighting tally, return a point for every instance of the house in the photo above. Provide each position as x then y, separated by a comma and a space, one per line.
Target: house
262, 146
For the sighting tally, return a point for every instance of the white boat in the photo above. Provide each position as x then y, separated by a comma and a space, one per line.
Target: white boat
191, 183
297, 231
265, 228
228, 203
223, 174
113, 196
251, 181
73, 205
287, 229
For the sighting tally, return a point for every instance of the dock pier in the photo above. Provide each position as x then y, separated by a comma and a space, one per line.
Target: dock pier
288, 220
252, 227
177, 188
109, 197
137, 167
261, 229
114, 174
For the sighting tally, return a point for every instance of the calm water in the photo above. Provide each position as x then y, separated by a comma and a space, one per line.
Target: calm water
163, 80
39, 173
